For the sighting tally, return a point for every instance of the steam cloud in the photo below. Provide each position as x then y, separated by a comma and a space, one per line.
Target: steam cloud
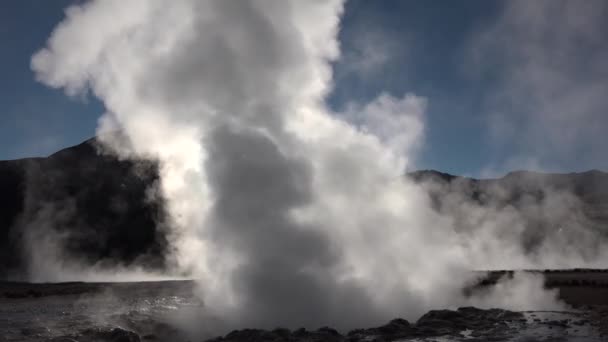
288, 214
547, 101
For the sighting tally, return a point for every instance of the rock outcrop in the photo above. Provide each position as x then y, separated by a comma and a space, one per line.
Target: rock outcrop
456, 325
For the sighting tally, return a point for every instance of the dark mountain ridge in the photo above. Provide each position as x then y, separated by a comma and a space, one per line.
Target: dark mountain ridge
543, 209
100, 209
96, 206
590, 187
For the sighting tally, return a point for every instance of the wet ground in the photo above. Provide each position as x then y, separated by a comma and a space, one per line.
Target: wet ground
93, 311
157, 311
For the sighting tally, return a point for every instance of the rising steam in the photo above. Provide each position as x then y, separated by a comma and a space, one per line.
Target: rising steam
288, 213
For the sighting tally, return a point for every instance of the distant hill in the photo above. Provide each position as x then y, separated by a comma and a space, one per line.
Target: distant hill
567, 206
99, 208
95, 205
590, 187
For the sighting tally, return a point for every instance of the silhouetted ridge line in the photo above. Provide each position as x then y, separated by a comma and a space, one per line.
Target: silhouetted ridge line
101, 207
98, 205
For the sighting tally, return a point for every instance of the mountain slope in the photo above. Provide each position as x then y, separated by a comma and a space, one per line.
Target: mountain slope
79, 204
590, 187
542, 209
89, 206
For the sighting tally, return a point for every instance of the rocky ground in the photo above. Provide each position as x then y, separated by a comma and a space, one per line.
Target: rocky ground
464, 324
150, 311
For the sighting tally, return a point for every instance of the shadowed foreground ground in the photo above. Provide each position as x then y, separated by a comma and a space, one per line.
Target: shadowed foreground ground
169, 311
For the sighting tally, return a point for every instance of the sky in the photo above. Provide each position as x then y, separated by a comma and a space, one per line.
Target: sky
507, 84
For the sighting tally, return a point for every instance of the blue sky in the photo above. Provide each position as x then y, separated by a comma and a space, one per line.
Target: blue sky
35, 120
486, 112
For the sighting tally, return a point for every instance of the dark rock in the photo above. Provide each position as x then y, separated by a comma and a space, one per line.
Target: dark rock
282, 332
448, 322
442, 320
35, 331
121, 335
328, 331
108, 335
394, 327
480, 325
253, 335
62, 339
397, 328
560, 324
300, 332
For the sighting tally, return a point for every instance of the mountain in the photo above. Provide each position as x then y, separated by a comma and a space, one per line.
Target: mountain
590, 189
94, 206
566, 209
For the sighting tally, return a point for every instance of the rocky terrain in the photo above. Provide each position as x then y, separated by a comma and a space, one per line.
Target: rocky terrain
156, 311
170, 311
463, 324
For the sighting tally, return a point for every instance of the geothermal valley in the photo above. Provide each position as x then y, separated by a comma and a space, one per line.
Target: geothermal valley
172, 310
303, 171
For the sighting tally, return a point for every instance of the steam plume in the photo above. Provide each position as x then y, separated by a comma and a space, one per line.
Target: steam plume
288, 213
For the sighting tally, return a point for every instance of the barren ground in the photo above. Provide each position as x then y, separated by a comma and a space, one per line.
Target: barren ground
163, 311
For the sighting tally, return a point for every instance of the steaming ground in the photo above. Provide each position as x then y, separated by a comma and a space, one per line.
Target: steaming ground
169, 311
273, 198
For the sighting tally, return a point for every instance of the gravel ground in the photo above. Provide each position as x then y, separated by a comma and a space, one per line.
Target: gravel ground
163, 311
